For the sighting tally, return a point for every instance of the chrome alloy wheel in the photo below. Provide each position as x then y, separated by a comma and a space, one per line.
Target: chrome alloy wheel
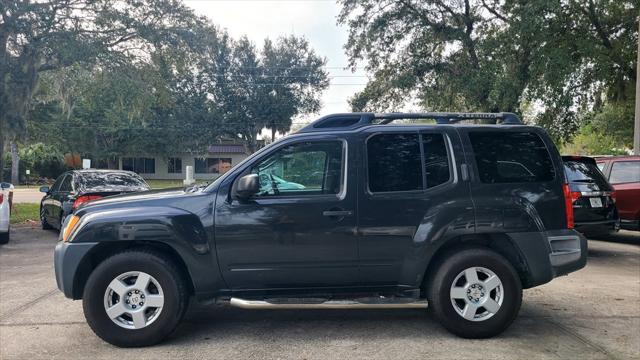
477, 294
133, 300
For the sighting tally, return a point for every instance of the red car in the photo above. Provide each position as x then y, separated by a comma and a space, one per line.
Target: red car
623, 172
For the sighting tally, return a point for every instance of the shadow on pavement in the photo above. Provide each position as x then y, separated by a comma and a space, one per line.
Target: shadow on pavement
622, 237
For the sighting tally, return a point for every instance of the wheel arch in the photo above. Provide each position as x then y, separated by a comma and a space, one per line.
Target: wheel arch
499, 242
103, 251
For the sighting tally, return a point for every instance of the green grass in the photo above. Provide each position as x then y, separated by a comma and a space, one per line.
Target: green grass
23, 211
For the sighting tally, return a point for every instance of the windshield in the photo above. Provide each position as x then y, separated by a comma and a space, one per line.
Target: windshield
584, 172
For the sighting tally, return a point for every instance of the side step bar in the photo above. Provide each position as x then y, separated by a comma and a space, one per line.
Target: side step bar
329, 304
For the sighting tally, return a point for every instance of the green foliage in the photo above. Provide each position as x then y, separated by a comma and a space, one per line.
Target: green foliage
158, 80
40, 159
616, 120
566, 57
589, 141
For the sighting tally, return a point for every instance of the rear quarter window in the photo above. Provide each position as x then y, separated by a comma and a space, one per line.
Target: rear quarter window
511, 157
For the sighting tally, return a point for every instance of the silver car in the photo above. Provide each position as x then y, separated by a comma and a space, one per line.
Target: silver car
6, 194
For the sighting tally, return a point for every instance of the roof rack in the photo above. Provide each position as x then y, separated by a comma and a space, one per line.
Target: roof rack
349, 121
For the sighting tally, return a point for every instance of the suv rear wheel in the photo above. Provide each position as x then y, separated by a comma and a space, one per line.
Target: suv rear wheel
134, 298
475, 293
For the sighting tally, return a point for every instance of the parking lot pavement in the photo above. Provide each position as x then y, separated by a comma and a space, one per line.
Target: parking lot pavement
591, 314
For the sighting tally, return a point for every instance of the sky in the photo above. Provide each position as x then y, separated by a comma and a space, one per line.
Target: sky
313, 19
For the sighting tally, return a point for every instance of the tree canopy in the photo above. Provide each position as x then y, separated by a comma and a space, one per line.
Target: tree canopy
143, 77
557, 61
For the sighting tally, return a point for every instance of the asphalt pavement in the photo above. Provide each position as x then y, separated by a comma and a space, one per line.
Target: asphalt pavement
590, 314
27, 195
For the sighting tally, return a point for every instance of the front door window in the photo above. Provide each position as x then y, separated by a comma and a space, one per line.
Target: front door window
309, 168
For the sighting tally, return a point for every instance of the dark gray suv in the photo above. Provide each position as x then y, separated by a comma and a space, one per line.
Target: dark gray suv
456, 216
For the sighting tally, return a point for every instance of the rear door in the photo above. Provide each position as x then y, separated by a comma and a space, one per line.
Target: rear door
61, 199
409, 186
594, 201
50, 201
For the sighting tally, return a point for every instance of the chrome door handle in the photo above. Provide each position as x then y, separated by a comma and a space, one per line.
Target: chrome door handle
337, 213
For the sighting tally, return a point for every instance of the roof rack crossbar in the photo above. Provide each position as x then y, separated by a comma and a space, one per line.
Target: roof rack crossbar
357, 120
450, 118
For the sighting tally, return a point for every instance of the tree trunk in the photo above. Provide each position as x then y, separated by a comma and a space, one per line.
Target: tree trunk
15, 163
273, 133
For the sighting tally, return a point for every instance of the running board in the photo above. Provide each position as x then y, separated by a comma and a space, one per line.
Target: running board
328, 304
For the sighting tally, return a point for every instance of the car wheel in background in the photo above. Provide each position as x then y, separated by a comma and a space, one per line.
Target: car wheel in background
135, 298
4, 237
43, 220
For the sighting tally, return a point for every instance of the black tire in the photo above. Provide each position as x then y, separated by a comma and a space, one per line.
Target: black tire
4, 237
440, 302
43, 220
159, 267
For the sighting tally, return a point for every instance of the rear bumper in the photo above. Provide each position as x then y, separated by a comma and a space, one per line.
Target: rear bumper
66, 260
630, 224
597, 226
550, 254
568, 252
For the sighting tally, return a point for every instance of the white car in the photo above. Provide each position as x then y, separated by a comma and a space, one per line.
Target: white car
6, 194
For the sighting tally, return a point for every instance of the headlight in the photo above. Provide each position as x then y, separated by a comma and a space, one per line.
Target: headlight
71, 225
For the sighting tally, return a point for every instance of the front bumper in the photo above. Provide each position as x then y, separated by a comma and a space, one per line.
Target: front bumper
67, 260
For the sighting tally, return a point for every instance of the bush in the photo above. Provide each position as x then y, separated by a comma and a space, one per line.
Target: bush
42, 161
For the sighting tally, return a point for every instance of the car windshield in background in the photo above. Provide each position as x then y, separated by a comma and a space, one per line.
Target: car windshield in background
111, 181
584, 172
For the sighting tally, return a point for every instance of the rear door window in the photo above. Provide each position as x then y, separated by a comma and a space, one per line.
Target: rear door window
66, 184
511, 157
394, 163
625, 172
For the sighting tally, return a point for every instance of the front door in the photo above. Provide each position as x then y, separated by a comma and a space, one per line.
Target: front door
300, 229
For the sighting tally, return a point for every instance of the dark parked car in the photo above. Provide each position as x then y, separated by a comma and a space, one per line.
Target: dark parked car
594, 199
623, 172
460, 217
76, 187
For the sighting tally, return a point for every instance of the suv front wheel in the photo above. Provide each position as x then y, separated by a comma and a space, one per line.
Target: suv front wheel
475, 293
134, 298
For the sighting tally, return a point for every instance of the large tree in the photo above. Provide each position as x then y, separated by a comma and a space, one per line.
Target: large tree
555, 57
46, 35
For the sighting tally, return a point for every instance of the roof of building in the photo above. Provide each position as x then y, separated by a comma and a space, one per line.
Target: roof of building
227, 149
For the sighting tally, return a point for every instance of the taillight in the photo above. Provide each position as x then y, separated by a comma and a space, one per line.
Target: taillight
575, 195
84, 199
1, 198
568, 205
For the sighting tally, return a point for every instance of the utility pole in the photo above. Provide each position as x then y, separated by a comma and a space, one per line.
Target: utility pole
636, 127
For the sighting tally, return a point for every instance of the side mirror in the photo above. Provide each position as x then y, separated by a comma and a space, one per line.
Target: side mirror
248, 186
44, 189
